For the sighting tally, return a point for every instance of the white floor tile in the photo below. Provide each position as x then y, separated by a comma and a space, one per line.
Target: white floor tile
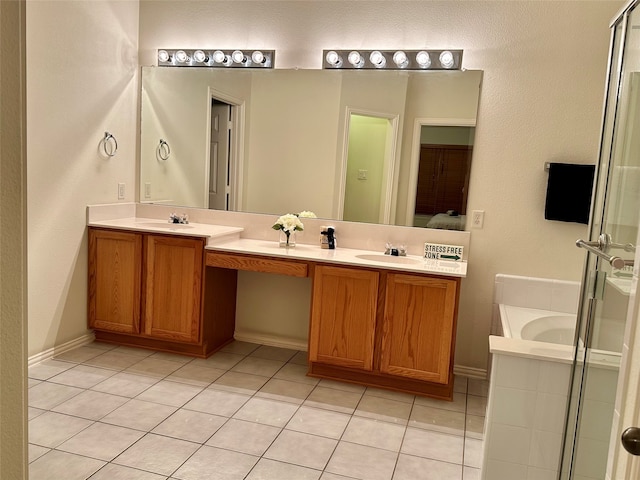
67, 466
91, 405
169, 393
374, 433
319, 422
139, 415
210, 463
272, 470
248, 412
157, 454
51, 429
217, 402
301, 449
412, 468
268, 412
101, 441
384, 409
112, 471
359, 461
47, 395
190, 425
433, 445
245, 437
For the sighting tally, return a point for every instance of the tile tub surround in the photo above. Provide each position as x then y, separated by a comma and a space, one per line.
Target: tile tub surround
161, 416
529, 385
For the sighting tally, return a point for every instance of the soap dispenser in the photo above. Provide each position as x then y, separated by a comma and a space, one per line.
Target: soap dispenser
327, 237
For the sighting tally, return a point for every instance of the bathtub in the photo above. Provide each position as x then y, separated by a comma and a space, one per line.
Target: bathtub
537, 325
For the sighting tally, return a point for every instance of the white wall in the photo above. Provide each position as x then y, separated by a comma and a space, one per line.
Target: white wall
82, 80
544, 72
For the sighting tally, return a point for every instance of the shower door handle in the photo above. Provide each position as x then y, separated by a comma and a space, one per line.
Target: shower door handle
631, 440
615, 262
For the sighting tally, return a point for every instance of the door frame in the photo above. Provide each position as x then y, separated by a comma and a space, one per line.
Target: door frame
390, 170
236, 146
412, 186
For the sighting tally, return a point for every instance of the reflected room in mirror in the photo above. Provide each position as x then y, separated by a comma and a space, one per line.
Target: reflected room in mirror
347, 145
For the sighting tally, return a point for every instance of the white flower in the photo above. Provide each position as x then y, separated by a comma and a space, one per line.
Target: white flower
307, 214
288, 223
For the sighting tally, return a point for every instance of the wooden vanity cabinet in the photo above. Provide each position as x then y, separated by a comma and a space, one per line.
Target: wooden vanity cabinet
418, 327
152, 291
115, 266
172, 287
384, 328
343, 317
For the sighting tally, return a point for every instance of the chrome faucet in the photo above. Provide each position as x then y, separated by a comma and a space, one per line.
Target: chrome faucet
174, 218
399, 251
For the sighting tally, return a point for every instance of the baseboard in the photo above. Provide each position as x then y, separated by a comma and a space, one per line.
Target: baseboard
296, 344
471, 372
271, 340
58, 349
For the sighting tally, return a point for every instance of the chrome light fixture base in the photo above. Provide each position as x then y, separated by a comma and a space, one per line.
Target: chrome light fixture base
216, 57
392, 59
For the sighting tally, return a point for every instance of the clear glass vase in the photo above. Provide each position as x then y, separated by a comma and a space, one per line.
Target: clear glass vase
287, 241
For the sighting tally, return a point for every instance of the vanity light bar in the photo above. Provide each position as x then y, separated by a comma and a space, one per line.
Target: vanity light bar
216, 58
392, 59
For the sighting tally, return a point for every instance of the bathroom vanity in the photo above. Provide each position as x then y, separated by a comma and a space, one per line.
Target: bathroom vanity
374, 320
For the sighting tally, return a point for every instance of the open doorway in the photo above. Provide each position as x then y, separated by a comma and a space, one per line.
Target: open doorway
444, 166
368, 180
224, 164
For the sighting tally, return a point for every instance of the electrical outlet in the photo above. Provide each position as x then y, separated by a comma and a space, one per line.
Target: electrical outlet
477, 218
362, 174
147, 190
121, 191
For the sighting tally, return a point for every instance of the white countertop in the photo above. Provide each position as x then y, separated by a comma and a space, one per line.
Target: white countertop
228, 239
343, 256
212, 233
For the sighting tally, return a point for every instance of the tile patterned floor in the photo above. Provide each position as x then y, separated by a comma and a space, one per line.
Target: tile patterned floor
247, 412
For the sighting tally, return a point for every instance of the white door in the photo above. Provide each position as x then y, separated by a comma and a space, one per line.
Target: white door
219, 156
605, 396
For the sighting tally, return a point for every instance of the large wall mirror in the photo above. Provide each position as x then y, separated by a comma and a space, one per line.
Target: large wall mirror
364, 146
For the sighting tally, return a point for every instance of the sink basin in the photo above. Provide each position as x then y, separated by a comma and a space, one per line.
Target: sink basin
167, 225
379, 257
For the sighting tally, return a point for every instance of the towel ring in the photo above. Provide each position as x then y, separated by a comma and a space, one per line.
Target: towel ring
164, 150
106, 140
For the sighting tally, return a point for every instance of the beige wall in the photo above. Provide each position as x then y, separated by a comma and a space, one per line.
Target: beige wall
544, 69
82, 80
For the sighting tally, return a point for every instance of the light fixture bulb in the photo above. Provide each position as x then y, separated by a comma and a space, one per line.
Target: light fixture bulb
333, 58
400, 59
238, 57
446, 59
163, 56
218, 56
258, 57
181, 56
356, 59
423, 59
200, 57
377, 59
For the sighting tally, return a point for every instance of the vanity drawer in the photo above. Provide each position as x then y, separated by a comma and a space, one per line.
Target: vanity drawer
257, 264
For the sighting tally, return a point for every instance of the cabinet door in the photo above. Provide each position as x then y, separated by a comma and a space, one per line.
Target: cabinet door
418, 327
115, 262
343, 317
173, 287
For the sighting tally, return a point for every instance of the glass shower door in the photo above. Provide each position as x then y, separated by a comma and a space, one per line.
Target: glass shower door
607, 286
